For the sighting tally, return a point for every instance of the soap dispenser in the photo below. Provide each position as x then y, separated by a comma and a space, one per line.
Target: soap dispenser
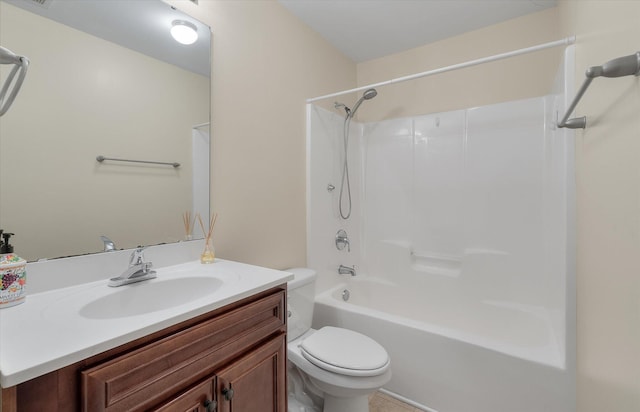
13, 274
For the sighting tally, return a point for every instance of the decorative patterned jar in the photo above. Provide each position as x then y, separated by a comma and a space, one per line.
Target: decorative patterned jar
13, 280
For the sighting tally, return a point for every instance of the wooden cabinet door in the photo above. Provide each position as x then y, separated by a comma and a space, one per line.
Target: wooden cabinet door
256, 381
197, 399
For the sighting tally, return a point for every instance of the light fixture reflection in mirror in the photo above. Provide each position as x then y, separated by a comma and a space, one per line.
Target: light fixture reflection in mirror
113, 100
184, 32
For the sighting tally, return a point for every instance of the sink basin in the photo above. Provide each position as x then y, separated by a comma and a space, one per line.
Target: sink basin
150, 296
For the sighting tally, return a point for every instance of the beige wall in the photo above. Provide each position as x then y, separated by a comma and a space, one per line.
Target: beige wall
265, 64
608, 203
511, 79
84, 97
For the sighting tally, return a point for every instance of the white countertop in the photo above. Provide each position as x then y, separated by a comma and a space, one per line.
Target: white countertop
52, 330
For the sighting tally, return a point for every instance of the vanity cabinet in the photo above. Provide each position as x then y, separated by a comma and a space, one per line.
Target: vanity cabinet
231, 359
246, 385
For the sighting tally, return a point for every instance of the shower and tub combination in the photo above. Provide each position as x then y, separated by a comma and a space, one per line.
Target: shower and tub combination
456, 228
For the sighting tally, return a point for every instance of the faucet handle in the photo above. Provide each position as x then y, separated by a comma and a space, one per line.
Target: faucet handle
137, 256
342, 240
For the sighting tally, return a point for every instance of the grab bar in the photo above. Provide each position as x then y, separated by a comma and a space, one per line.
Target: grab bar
102, 159
622, 66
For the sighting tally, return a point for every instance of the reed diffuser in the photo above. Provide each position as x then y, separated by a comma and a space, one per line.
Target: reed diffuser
188, 225
208, 255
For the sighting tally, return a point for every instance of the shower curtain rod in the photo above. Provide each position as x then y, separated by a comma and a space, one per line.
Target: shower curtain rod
563, 42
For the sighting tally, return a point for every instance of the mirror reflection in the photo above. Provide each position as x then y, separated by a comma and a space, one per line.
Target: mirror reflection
90, 92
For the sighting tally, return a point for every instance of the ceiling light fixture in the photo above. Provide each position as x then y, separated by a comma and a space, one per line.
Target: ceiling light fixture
184, 32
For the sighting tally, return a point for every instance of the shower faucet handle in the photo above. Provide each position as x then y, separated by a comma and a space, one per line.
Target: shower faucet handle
342, 240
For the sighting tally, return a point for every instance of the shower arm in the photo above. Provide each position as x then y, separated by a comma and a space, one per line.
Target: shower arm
622, 66
20, 66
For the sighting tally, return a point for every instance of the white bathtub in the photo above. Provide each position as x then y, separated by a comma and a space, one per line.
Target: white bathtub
446, 356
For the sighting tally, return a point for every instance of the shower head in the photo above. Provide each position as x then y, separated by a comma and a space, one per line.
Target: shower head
367, 95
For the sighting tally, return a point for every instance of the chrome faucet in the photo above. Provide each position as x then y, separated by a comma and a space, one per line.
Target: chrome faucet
138, 270
342, 240
109, 246
346, 270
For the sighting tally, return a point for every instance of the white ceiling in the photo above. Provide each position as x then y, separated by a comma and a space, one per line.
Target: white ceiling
361, 29
368, 29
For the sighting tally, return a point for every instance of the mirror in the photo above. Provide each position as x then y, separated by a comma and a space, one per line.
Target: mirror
91, 92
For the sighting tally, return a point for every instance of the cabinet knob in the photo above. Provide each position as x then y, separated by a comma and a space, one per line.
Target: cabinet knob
210, 405
228, 393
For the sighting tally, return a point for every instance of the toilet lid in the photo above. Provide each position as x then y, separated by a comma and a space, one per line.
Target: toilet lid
345, 352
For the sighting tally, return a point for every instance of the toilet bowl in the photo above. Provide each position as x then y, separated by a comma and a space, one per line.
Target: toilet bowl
338, 368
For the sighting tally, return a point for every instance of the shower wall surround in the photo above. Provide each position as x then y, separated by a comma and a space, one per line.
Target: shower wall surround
468, 210
470, 202
475, 195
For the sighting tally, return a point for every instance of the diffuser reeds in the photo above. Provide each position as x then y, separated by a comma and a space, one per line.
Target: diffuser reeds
208, 255
188, 225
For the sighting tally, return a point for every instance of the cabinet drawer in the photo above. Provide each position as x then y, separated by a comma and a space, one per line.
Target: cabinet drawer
144, 377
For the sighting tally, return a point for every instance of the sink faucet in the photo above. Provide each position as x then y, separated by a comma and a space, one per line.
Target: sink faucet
346, 270
109, 246
137, 271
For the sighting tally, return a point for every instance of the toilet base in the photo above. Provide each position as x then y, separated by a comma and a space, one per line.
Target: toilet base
354, 404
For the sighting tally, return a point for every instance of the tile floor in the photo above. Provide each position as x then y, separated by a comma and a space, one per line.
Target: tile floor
379, 402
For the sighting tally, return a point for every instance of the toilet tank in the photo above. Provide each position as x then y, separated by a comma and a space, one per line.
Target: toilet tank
300, 300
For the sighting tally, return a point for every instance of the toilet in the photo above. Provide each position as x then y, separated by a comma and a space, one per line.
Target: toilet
330, 369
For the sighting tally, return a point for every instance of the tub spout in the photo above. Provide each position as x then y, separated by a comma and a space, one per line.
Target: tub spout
346, 270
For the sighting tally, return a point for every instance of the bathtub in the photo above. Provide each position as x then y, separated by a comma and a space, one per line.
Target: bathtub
456, 356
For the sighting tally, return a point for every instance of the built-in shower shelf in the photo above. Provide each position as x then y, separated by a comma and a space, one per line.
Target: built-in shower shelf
436, 263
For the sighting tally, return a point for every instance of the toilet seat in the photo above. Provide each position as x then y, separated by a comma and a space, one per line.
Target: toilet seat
345, 352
